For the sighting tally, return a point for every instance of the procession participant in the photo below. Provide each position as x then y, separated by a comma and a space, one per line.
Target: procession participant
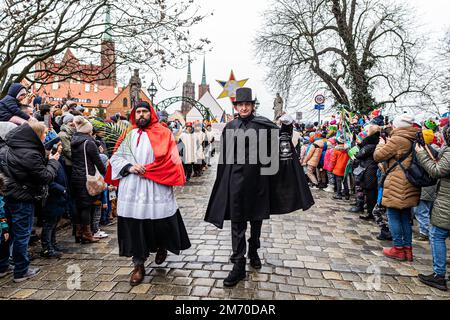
200, 138
148, 166
249, 190
187, 149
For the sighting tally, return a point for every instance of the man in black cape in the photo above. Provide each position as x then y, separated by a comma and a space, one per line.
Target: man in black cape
269, 181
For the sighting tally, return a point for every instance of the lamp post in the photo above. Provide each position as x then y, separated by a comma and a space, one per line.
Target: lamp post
257, 104
152, 90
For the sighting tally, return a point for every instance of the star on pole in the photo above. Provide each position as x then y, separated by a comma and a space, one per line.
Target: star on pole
230, 87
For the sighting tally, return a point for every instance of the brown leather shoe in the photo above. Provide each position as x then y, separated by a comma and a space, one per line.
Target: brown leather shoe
161, 256
137, 276
86, 236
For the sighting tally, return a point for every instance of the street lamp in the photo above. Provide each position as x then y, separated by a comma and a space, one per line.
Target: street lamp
152, 90
257, 104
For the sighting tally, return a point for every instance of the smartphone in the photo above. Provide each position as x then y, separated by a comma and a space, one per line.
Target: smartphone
55, 149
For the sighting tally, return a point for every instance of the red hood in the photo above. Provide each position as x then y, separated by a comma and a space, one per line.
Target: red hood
154, 118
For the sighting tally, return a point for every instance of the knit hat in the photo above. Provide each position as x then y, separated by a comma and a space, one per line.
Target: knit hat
373, 129
403, 121
67, 118
428, 136
333, 122
82, 125
430, 124
443, 122
376, 113
332, 128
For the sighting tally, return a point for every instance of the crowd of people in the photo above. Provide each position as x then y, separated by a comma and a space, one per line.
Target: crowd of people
46, 154
397, 170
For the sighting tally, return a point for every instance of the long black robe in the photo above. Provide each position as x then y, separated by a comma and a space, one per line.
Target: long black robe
242, 194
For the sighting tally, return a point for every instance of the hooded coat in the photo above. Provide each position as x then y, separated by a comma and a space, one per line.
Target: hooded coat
398, 192
66, 134
78, 182
241, 193
365, 159
26, 168
10, 106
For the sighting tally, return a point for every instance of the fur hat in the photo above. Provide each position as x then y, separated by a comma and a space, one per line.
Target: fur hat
68, 118
83, 125
403, 121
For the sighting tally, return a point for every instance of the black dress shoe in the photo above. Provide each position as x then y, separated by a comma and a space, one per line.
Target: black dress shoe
161, 256
435, 281
234, 277
384, 236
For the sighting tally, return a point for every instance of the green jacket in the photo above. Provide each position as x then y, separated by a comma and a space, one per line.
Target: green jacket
66, 134
440, 216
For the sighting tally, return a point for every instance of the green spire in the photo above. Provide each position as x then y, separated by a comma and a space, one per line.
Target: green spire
107, 35
204, 72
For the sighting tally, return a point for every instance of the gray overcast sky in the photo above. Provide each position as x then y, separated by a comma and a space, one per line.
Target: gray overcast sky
232, 29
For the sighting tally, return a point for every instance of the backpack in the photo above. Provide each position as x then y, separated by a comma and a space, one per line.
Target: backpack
416, 174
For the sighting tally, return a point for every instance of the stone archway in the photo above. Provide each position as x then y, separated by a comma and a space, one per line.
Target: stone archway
204, 111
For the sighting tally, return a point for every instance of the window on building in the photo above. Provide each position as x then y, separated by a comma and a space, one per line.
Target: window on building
95, 87
87, 87
55, 84
125, 102
116, 90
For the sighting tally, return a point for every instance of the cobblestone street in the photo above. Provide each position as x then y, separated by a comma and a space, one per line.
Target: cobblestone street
325, 253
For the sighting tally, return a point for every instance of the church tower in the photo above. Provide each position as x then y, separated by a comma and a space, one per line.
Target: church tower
108, 54
203, 87
188, 91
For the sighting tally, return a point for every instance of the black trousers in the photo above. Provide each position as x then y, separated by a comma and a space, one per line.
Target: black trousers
188, 168
372, 197
239, 245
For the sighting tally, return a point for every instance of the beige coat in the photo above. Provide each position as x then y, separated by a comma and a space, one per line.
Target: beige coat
398, 192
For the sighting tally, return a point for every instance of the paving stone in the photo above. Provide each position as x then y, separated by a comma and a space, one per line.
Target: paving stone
61, 295
102, 296
82, 295
317, 283
200, 291
23, 293
105, 286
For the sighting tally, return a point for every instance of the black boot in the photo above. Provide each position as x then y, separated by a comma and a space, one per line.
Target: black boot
368, 217
385, 235
356, 209
236, 275
255, 261
435, 281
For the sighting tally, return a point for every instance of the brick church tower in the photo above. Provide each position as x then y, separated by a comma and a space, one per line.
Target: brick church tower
188, 91
108, 54
203, 87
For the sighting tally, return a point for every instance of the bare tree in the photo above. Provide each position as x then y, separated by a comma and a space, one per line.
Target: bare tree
365, 52
147, 33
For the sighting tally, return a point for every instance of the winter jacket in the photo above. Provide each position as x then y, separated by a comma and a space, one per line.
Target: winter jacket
440, 216
364, 158
339, 161
78, 183
58, 195
327, 165
398, 192
10, 106
315, 153
66, 134
27, 169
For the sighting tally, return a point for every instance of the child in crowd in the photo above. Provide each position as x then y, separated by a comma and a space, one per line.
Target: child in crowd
339, 162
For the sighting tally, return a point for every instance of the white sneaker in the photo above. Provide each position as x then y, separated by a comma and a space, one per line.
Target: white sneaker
101, 235
329, 189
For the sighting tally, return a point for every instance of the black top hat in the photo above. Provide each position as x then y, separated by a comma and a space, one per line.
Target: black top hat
244, 95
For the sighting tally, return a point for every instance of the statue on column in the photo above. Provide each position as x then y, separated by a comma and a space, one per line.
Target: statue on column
278, 105
135, 88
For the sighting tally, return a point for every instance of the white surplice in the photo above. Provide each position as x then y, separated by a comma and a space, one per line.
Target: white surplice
140, 198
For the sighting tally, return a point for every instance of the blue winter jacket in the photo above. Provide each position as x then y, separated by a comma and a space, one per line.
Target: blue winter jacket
10, 106
58, 198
